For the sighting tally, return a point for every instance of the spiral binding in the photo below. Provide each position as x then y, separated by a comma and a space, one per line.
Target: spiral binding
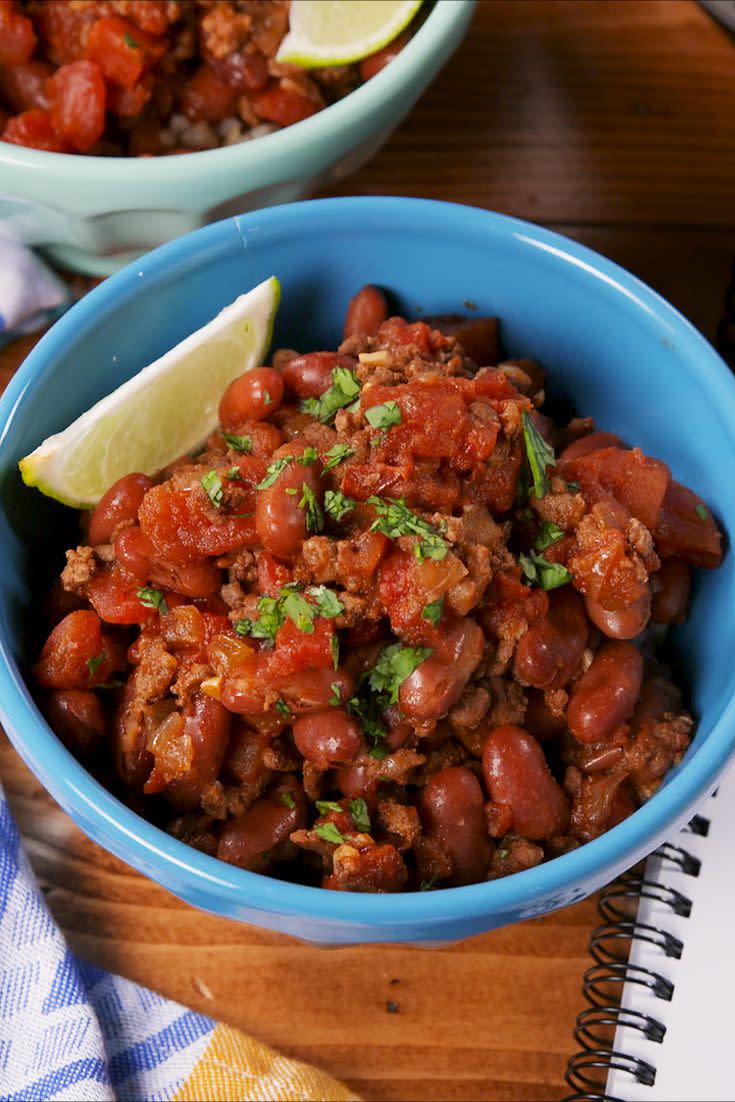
603, 981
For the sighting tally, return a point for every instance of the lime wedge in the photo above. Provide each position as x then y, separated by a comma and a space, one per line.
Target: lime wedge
168, 409
336, 32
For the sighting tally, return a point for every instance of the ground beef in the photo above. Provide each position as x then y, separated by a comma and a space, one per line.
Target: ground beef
80, 568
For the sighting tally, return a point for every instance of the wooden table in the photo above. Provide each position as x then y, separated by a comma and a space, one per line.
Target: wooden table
614, 122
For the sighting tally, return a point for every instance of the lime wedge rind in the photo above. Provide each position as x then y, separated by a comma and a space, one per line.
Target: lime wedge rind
167, 409
338, 32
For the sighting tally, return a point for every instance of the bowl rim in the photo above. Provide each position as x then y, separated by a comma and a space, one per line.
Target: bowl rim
147, 847
363, 101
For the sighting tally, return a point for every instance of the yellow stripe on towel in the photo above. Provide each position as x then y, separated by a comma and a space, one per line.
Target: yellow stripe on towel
237, 1068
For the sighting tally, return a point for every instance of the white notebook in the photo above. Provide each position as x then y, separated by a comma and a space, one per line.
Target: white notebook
690, 1053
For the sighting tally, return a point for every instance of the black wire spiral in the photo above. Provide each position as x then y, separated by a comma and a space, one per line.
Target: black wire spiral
603, 982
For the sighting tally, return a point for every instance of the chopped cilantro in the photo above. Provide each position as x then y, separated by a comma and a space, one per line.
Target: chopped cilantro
329, 833
384, 415
573, 487
540, 455
270, 619
299, 610
378, 752
292, 491
394, 519
282, 707
433, 612
238, 443
395, 664
336, 698
344, 390
428, 885
337, 505
267, 398
547, 534
243, 627
233, 473
702, 511
309, 502
359, 813
114, 684
287, 799
212, 484
94, 663
152, 598
548, 575
307, 457
336, 455
325, 806
273, 472
334, 647
130, 41
368, 710
326, 600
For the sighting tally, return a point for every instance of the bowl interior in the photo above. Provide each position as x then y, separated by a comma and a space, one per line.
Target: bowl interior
612, 348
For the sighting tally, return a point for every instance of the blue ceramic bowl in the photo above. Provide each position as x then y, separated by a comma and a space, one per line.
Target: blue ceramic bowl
95, 214
624, 355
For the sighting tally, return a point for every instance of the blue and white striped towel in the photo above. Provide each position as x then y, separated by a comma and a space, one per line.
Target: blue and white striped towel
30, 293
71, 1031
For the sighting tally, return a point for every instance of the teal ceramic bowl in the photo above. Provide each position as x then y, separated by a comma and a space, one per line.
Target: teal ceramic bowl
94, 214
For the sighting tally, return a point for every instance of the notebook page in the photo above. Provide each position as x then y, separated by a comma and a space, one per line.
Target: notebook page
696, 1059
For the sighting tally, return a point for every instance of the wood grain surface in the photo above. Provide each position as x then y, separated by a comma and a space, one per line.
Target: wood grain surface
614, 121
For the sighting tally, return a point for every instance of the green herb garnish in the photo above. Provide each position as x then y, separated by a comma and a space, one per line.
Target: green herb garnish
548, 575
312, 509
540, 455
329, 833
282, 707
344, 390
395, 664
325, 806
274, 471
212, 484
433, 612
243, 627
336, 698
152, 598
238, 443
336, 455
547, 534
395, 519
337, 505
93, 664
334, 647
130, 41
702, 511
428, 885
307, 457
359, 813
326, 600
287, 799
384, 415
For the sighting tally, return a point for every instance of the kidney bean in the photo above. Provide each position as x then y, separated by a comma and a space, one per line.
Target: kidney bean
623, 623
366, 312
328, 737
198, 578
117, 507
77, 717
23, 87
312, 690
548, 655
373, 64
310, 375
672, 586
244, 757
516, 774
207, 724
452, 809
657, 697
437, 684
59, 603
68, 655
592, 442
605, 696
251, 397
280, 522
540, 720
252, 840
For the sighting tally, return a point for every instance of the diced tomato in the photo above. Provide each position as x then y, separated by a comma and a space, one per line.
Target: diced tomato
34, 130
206, 98
630, 477
183, 525
686, 529
114, 597
23, 87
282, 105
78, 99
272, 574
17, 37
78, 654
62, 28
298, 650
122, 50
